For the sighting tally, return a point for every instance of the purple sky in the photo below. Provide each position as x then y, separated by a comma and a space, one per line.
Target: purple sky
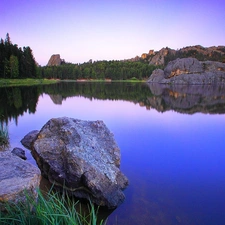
83, 30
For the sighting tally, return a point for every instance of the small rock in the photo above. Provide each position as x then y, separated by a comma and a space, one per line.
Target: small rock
29, 138
19, 152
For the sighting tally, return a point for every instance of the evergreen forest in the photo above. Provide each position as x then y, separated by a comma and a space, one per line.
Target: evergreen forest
99, 70
16, 62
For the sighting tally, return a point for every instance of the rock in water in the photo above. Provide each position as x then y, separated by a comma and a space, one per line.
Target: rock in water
83, 158
18, 179
29, 138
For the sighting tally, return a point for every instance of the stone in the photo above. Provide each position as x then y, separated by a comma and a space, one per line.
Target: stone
211, 53
18, 178
157, 75
182, 66
19, 152
29, 138
55, 60
159, 58
144, 55
190, 71
83, 158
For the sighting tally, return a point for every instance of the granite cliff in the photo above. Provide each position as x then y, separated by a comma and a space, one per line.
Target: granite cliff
190, 71
165, 55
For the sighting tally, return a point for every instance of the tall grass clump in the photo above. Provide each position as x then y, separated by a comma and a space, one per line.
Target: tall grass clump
52, 209
4, 135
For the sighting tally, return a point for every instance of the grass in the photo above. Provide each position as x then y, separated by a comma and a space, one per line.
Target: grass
25, 82
52, 209
4, 136
29, 81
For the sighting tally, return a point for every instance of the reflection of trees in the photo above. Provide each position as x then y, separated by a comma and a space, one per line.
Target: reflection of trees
135, 92
184, 99
14, 101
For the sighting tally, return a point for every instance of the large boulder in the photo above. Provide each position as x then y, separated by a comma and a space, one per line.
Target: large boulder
18, 179
190, 71
182, 66
81, 157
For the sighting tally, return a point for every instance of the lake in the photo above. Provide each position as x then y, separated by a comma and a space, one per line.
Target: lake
172, 142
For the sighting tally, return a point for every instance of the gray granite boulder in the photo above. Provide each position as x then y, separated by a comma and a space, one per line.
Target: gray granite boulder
190, 71
18, 179
83, 158
29, 138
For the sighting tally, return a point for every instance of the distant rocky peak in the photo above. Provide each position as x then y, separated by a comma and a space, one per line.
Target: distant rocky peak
55, 60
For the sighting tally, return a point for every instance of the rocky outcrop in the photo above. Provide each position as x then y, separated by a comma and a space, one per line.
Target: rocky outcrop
81, 157
165, 55
190, 71
159, 58
18, 179
55, 60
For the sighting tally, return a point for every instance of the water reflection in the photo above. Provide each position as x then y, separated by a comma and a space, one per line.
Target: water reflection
188, 98
14, 101
174, 160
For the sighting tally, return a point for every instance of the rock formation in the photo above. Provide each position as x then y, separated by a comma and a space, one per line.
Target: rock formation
81, 157
190, 71
159, 58
166, 55
55, 60
18, 178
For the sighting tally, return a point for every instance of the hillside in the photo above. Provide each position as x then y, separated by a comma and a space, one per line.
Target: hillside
165, 55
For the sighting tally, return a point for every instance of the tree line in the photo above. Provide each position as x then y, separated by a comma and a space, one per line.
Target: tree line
16, 62
114, 70
15, 101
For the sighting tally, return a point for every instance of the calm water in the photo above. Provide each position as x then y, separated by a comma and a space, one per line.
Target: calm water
172, 143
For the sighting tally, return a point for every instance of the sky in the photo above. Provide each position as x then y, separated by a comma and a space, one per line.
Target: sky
80, 30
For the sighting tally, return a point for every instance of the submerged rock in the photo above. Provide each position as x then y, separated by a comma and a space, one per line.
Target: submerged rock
18, 179
81, 157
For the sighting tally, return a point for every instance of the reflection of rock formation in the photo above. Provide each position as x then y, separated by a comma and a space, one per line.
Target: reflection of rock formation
57, 99
188, 99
